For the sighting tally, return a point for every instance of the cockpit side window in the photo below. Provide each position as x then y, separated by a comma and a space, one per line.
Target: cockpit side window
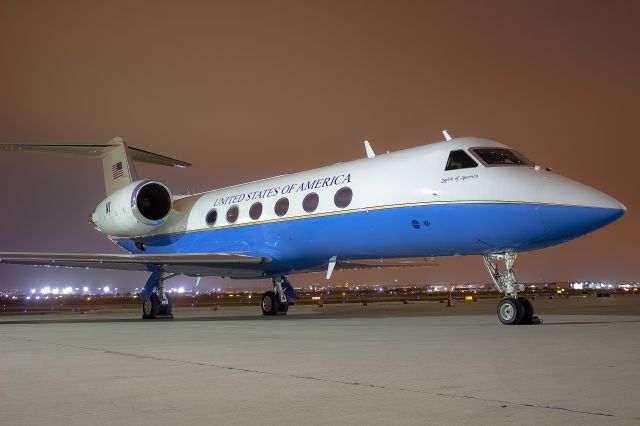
501, 157
460, 160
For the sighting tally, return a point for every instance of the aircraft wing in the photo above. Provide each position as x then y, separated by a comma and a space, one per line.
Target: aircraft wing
214, 264
385, 263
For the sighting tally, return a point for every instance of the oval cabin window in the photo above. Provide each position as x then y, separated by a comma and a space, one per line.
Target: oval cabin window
232, 214
282, 207
255, 211
212, 216
343, 197
310, 202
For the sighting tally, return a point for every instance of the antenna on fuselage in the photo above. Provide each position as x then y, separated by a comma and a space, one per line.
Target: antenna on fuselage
369, 150
446, 135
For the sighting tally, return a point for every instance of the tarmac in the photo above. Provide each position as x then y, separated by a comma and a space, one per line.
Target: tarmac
381, 364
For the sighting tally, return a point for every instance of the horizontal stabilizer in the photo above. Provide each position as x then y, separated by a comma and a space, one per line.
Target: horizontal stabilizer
116, 156
136, 154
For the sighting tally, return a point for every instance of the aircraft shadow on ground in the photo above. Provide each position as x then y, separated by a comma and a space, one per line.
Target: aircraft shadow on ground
263, 318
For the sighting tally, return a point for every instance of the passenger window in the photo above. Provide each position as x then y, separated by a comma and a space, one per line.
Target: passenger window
310, 202
501, 157
255, 211
460, 160
232, 214
343, 197
282, 207
212, 216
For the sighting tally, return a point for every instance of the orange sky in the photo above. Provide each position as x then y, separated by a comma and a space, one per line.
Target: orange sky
246, 90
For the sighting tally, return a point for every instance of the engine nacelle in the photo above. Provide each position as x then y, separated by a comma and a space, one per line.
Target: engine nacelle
134, 210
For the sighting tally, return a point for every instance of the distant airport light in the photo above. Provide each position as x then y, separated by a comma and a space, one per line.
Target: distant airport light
55, 290
33, 291
67, 290
106, 289
45, 290
181, 290
85, 289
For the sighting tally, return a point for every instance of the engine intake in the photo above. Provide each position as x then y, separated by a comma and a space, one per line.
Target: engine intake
151, 202
134, 210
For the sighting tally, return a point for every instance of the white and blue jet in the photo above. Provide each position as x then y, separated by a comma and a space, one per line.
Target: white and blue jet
462, 196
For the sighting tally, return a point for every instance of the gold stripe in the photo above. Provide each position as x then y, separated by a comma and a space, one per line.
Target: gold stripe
341, 212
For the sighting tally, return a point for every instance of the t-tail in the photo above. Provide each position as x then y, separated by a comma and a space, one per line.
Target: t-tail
116, 156
132, 206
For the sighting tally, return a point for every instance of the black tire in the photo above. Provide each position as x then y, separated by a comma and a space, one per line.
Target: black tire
510, 311
527, 318
168, 308
151, 307
269, 303
283, 307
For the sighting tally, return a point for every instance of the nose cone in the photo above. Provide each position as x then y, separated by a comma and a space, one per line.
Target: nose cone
613, 207
574, 209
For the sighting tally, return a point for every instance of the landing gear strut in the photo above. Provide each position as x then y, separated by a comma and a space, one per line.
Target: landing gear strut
156, 302
512, 309
277, 301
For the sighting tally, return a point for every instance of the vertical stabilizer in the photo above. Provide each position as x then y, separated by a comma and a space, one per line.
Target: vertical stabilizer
117, 166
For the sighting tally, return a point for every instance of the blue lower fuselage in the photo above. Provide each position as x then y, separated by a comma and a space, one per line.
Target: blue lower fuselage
306, 243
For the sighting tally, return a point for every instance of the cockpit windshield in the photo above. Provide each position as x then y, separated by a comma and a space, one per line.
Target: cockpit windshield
459, 159
500, 157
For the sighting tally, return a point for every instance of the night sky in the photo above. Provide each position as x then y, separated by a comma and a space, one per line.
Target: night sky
246, 90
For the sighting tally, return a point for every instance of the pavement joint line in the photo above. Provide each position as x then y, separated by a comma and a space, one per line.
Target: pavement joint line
321, 379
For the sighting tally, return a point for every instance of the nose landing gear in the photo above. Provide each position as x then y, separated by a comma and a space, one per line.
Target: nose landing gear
512, 309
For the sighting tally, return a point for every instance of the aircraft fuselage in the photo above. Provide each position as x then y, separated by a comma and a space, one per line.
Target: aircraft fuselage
402, 204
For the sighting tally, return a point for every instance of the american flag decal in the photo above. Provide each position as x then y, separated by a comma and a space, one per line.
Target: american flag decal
116, 169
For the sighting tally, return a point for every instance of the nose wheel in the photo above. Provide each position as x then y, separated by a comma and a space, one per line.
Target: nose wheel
512, 309
515, 311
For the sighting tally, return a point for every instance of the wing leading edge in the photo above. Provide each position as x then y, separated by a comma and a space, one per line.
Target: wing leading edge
214, 264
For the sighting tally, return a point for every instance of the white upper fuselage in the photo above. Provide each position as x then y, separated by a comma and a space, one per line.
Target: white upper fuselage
411, 176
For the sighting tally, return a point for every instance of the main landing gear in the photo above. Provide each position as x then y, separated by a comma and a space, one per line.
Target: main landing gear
277, 301
512, 309
156, 303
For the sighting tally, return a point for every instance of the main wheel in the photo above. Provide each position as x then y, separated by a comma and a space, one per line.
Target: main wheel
527, 318
151, 307
168, 308
283, 307
269, 303
510, 311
